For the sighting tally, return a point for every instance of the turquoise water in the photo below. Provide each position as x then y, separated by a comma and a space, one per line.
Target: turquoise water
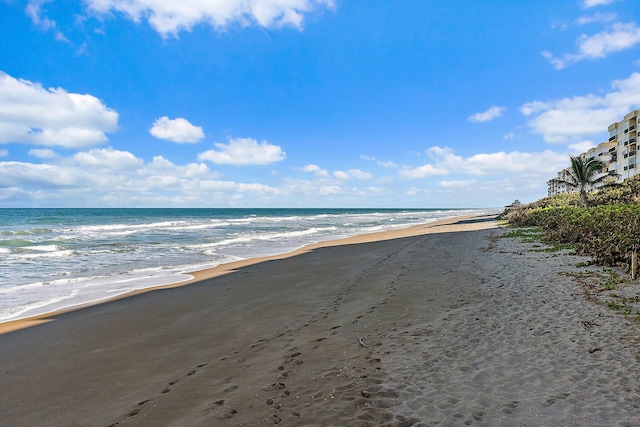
57, 258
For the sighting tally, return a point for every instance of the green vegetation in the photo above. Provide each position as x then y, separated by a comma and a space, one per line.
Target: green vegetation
607, 231
528, 235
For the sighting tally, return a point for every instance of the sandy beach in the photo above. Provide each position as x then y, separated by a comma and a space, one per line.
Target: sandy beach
444, 324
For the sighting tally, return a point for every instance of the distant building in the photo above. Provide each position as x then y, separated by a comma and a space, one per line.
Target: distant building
618, 155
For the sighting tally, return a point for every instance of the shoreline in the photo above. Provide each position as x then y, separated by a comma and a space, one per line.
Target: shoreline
227, 268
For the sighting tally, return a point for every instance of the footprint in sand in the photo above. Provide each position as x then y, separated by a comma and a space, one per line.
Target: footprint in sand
217, 403
230, 414
508, 408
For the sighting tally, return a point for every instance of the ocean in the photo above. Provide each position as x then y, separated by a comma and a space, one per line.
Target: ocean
52, 259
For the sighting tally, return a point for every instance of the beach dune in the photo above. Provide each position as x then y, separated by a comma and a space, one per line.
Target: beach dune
443, 324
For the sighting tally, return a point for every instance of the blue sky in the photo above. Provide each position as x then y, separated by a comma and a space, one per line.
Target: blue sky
305, 103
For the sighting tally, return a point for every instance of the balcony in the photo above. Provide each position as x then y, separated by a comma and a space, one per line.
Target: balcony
613, 159
612, 172
632, 153
632, 127
613, 138
612, 149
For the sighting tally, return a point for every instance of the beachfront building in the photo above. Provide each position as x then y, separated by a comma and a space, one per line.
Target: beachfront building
625, 134
605, 152
618, 155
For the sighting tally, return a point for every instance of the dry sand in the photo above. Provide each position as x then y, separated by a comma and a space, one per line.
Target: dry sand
438, 328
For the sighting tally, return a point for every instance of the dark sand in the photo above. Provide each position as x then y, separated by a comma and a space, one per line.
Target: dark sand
446, 328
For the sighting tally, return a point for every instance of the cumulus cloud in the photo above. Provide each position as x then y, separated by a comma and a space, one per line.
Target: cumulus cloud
486, 116
567, 119
352, 173
446, 162
43, 153
170, 17
423, 171
43, 176
592, 3
243, 152
316, 170
358, 174
30, 114
619, 36
177, 130
108, 158
13, 194
108, 177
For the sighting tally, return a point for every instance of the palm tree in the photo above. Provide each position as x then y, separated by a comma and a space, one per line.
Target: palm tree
582, 176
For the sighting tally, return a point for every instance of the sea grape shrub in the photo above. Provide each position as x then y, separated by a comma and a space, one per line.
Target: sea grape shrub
527, 216
607, 233
564, 224
627, 192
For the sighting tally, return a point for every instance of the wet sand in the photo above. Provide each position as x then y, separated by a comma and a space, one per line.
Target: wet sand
449, 325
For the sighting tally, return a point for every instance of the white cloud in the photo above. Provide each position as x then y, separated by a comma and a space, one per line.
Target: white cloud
43, 153
352, 173
243, 152
31, 114
422, 171
568, 119
358, 174
592, 3
43, 176
34, 11
486, 116
170, 17
619, 36
4, 153
108, 177
108, 158
509, 136
582, 146
445, 162
384, 164
159, 165
13, 194
604, 18
316, 170
177, 130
